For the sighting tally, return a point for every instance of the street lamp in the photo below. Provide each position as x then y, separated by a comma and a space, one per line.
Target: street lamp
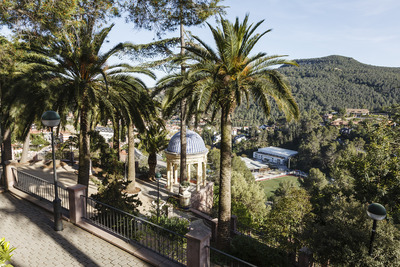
377, 212
158, 177
52, 119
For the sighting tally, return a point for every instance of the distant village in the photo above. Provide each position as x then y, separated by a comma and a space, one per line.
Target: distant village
267, 162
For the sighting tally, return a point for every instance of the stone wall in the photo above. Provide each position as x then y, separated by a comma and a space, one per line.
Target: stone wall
203, 199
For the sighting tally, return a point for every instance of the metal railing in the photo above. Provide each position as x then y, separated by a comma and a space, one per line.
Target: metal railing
220, 258
160, 240
40, 188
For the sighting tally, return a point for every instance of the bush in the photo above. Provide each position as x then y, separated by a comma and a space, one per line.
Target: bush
174, 224
111, 192
174, 201
257, 253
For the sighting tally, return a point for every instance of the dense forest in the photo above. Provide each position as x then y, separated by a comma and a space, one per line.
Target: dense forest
333, 83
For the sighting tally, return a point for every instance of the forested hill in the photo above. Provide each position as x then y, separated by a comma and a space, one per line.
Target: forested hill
336, 82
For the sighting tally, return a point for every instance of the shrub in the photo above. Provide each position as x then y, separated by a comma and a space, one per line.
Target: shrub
175, 224
111, 192
257, 253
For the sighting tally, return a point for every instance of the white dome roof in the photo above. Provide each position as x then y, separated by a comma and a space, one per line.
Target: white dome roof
194, 143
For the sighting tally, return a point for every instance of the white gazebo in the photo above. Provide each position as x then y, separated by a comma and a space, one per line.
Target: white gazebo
196, 157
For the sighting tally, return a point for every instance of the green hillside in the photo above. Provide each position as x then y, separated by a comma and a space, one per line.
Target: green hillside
336, 82
333, 83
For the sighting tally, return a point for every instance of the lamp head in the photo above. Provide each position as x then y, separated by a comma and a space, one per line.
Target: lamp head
376, 211
50, 118
158, 175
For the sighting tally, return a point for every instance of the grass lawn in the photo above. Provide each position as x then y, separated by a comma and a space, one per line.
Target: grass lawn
271, 185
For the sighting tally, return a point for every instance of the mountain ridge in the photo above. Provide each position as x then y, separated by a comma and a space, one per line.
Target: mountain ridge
335, 82
339, 58
332, 83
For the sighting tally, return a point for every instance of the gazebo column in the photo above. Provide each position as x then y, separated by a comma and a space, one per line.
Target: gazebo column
204, 173
199, 176
188, 171
169, 176
175, 174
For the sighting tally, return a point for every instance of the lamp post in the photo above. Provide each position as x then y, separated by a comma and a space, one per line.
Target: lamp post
158, 177
52, 119
377, 212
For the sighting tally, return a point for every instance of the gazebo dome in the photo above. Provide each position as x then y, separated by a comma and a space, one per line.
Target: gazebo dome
194, 143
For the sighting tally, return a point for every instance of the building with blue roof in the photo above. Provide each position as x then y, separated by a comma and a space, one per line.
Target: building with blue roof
196, 158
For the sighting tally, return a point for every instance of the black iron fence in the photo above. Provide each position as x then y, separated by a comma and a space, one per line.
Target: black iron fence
222, 259
40, 188
160, 240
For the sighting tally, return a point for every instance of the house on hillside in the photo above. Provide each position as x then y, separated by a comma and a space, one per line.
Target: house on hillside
339, 122
64, 136
356, 112
328, 116
106, 132
216, 138
275, 155
239, 138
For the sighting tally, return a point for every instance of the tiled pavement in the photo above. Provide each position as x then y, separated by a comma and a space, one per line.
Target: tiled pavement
30, 229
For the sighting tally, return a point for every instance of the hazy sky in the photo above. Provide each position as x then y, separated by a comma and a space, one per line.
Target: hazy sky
366, 30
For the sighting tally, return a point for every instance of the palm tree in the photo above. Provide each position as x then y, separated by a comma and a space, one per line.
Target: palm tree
78, 76
135, 106
153, 141
164, 16
21, 96
8, 70
222, 80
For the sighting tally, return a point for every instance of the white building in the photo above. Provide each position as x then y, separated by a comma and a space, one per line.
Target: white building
274, 155
239, 138
106, 132
255, 166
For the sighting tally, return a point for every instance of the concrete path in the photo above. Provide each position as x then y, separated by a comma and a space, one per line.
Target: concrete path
30, 229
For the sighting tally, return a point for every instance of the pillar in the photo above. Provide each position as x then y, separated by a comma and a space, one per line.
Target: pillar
204, 173
188, 171
77, 207
10, 175
168, 174
175, 173
199, 177
198, 241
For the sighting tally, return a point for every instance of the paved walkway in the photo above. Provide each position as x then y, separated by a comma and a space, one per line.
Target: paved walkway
30, 229
67, 176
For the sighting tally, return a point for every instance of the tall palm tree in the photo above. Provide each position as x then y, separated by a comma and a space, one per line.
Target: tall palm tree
163, 16
154, 140
222, 79
8, 70
21, 96
135, 107
78, 76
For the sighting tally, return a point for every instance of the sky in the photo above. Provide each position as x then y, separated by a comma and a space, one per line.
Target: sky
366, 30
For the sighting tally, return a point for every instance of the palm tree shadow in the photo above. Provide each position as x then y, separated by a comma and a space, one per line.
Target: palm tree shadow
22, 209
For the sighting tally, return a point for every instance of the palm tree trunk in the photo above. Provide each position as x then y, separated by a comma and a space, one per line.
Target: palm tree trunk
84, 148
131, 158
183, 174
152, 161
25, 149
6, 150
116, 145
224, 212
